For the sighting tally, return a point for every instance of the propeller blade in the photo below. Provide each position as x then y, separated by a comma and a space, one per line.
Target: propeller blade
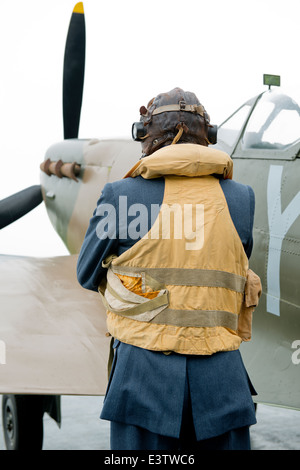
73, 72
14, 207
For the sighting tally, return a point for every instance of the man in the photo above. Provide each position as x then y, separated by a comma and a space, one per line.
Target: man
172, 264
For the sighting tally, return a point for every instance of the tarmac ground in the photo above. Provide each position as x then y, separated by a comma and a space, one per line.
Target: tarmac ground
81, 428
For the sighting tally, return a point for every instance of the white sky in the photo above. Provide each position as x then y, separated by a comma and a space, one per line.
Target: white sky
135, 50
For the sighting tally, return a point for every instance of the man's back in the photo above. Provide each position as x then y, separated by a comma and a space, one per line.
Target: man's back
200, 395
141, 372
132, 192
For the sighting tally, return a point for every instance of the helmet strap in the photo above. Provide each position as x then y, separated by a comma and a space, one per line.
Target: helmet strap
178, 135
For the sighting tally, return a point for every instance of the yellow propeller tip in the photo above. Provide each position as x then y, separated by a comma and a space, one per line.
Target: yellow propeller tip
78, 8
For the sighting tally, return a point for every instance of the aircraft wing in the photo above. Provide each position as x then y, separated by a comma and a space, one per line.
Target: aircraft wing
52, 331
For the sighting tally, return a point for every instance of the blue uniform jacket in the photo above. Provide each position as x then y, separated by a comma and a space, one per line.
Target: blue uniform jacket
147, 388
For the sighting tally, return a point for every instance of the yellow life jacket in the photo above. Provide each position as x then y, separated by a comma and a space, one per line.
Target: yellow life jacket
181, 287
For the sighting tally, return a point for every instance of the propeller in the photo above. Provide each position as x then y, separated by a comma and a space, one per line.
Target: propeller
19, 204
14, 207
73, 72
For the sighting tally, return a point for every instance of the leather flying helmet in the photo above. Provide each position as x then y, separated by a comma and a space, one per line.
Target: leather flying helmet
171, 117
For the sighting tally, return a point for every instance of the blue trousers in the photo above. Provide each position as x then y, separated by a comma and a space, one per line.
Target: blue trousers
128, 437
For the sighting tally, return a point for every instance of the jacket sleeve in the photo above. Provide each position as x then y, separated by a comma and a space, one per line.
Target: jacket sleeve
101, 240
241, 204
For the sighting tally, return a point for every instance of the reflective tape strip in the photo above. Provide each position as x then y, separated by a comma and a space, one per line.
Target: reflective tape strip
188, 277
197, 318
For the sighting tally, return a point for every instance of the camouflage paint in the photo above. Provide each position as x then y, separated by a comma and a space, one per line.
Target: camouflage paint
268, 357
